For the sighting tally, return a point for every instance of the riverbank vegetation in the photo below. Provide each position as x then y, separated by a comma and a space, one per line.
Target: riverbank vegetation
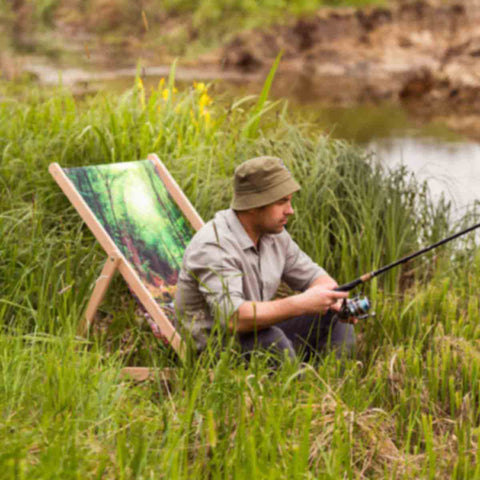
407, 406
108, 29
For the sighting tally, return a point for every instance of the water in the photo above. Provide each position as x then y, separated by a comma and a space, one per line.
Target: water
451, 169
449, 163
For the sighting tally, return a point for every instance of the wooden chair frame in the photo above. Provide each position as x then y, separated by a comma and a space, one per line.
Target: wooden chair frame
116, 260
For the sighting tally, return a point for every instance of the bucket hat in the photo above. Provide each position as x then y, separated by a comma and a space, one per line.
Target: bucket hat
261, 181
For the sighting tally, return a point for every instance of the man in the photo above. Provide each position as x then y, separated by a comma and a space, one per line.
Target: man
233, 267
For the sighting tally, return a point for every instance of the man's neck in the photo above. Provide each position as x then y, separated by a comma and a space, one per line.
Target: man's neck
249, 228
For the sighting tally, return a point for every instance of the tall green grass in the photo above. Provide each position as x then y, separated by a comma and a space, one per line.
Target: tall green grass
407, 406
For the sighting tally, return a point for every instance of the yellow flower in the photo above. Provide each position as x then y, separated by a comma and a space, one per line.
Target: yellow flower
204, 101
161, 84
200, 87
167, 93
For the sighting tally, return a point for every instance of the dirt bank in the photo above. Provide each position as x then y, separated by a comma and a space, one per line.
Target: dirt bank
423, 54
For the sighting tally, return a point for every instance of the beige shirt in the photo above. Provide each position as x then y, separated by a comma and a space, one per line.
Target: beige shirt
222, 268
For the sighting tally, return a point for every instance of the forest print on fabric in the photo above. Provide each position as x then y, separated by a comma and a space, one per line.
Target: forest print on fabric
134, 207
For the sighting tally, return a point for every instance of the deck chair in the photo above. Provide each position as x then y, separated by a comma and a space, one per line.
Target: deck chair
144, 222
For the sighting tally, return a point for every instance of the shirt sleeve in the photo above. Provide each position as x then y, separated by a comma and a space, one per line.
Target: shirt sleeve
219, 280
300, 270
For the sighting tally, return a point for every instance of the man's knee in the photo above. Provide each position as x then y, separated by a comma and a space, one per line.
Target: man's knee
281, 342
271, 339
343, 338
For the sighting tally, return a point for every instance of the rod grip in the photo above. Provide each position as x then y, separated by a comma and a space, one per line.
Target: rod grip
346, 287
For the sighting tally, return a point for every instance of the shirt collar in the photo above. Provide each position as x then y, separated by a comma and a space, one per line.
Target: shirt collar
237, 228
240, 233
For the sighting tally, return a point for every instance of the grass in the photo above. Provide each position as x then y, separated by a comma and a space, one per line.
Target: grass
406, 407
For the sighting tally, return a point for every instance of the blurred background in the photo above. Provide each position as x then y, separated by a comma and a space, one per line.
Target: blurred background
402, 78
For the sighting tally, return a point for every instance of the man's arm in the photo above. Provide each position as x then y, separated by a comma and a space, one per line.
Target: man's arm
258, 315
325, 281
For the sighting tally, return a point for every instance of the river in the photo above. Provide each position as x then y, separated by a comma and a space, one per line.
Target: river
447, 161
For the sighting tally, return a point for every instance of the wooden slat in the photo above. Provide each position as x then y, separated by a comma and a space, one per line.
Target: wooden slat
177, 193
101, 286
141, 374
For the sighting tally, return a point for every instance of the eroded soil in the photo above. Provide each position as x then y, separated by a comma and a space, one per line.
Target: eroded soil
423, 54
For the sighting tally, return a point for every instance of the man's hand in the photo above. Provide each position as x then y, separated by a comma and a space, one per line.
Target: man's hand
319, 299
328, 283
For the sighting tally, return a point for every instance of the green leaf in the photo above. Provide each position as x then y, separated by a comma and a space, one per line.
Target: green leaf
251, 128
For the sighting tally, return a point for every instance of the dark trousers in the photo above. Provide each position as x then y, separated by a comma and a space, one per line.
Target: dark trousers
302, 337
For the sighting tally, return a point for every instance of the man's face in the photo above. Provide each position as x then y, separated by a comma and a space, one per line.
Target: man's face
273, 218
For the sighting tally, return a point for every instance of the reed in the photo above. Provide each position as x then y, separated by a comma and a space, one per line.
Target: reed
406, 407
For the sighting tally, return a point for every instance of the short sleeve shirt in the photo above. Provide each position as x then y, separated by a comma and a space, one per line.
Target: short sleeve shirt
222, 268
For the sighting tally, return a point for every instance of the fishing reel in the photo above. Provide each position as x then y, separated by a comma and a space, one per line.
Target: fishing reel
357, 307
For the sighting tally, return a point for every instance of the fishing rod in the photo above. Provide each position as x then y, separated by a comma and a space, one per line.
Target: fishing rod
361, 305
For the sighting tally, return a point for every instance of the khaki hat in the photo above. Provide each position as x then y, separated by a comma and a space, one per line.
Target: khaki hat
261, 181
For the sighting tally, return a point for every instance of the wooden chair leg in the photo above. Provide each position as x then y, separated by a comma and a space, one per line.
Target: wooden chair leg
140, 374
101, 286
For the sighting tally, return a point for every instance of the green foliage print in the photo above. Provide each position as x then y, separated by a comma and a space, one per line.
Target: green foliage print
134, 207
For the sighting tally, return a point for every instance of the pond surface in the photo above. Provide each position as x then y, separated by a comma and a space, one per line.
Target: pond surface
449, 163
451, 169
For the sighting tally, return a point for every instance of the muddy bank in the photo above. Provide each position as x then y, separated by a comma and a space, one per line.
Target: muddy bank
78, 79
423, 54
